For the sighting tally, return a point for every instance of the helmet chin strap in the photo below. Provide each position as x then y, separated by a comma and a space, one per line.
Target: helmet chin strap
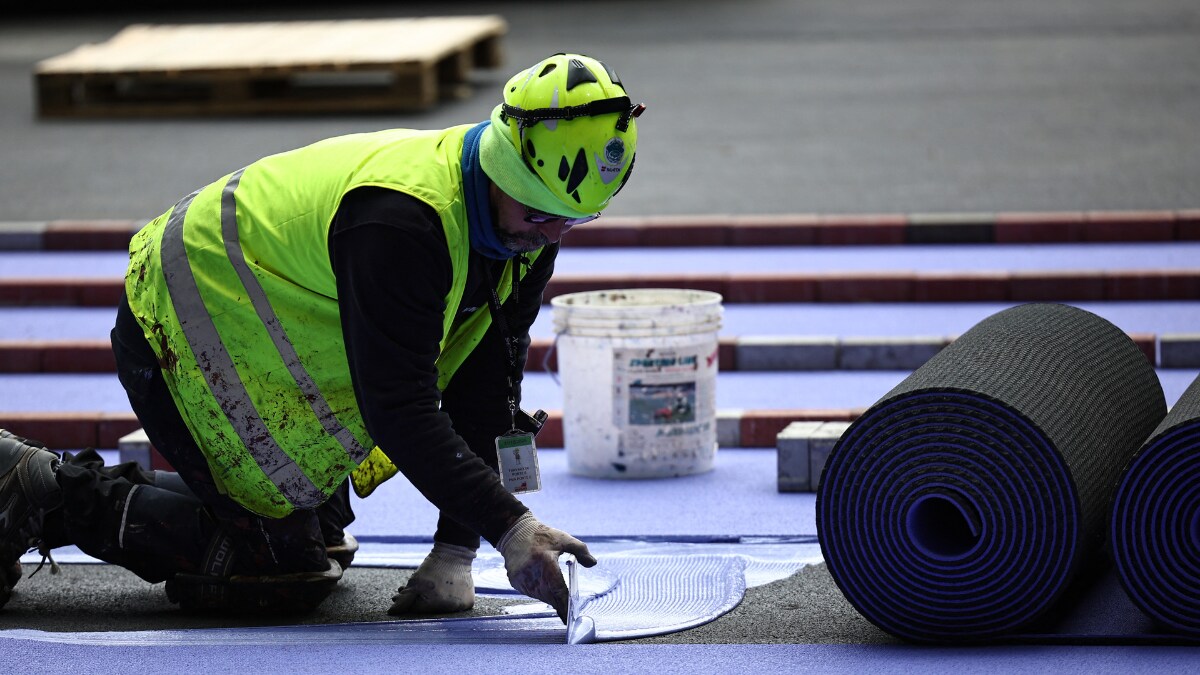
620, 105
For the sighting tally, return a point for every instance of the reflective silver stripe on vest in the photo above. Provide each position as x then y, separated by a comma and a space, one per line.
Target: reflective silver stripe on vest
258, 298
222, 378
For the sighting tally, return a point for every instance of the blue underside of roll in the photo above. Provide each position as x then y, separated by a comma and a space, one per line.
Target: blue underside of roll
967, 503
1156, 520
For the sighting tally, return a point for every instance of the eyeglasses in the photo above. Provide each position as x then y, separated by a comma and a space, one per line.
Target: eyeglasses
538, 218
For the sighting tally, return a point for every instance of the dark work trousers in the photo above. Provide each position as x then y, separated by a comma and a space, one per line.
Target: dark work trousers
157, 523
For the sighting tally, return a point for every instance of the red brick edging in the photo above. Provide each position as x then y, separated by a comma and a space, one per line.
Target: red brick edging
77, 430
796, 229
736, 354
1020, 286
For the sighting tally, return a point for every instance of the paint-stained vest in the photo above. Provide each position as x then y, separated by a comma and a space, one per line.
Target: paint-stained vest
234, 290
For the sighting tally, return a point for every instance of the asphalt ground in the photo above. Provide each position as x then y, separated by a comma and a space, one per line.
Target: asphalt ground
754, 107
804, 608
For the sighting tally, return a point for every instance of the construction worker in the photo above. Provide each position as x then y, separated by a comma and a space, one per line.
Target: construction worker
328, 317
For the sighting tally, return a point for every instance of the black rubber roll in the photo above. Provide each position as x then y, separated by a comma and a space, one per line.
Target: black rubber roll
1156, 520
963, 504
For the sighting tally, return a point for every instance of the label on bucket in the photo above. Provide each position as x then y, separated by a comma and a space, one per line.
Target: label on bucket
665, 399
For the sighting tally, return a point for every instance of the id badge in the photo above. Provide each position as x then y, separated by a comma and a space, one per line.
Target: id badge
518, 462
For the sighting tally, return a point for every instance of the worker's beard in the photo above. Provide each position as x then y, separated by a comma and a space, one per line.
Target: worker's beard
522, 243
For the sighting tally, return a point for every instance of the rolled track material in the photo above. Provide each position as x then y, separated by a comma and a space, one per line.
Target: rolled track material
963, 504
1156, 520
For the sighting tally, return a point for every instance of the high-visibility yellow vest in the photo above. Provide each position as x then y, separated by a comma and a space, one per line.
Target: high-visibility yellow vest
234, 290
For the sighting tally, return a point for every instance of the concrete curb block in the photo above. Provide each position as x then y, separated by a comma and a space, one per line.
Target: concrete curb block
738, 354
135, 447
951, 228
796, 229
1179, 350
898, 353
1023, 286
786, 353
729, 427
22, 236
792, 456
802, 449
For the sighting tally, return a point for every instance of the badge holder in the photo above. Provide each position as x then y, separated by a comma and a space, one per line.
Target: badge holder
516, 452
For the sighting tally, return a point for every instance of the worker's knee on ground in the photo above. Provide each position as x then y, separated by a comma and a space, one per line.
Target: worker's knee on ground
297, 592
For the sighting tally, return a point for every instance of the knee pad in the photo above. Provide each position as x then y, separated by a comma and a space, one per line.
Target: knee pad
297, 592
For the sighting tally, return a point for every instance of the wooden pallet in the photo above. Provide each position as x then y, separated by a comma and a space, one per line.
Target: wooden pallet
369, 65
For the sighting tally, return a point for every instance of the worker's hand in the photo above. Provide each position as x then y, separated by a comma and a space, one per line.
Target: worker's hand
441, 585
531, 552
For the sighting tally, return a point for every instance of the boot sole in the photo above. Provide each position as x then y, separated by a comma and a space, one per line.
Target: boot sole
344, 552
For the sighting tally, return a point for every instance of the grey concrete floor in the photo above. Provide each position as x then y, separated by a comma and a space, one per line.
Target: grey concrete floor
756, 106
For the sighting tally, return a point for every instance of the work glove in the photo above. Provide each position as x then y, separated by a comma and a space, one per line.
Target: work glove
441, 585
531, 552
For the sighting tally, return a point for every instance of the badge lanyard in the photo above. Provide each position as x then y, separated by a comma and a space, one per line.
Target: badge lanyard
515, 449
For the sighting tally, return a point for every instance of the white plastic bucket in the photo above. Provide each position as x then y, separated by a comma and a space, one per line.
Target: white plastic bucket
638, 369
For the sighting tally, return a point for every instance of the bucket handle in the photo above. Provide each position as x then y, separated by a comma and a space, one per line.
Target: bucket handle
546, 359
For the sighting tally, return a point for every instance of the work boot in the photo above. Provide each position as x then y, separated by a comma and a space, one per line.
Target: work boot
27, 492
343, 551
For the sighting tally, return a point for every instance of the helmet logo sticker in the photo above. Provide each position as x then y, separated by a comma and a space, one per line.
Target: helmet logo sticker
609, 167
614, 151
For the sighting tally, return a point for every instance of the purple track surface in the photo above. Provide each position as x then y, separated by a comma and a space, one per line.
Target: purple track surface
739, 498
317, 656
816, 319
61, 392
942, 257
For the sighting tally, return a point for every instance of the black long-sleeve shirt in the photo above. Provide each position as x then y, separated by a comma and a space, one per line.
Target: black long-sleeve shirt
393, 270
